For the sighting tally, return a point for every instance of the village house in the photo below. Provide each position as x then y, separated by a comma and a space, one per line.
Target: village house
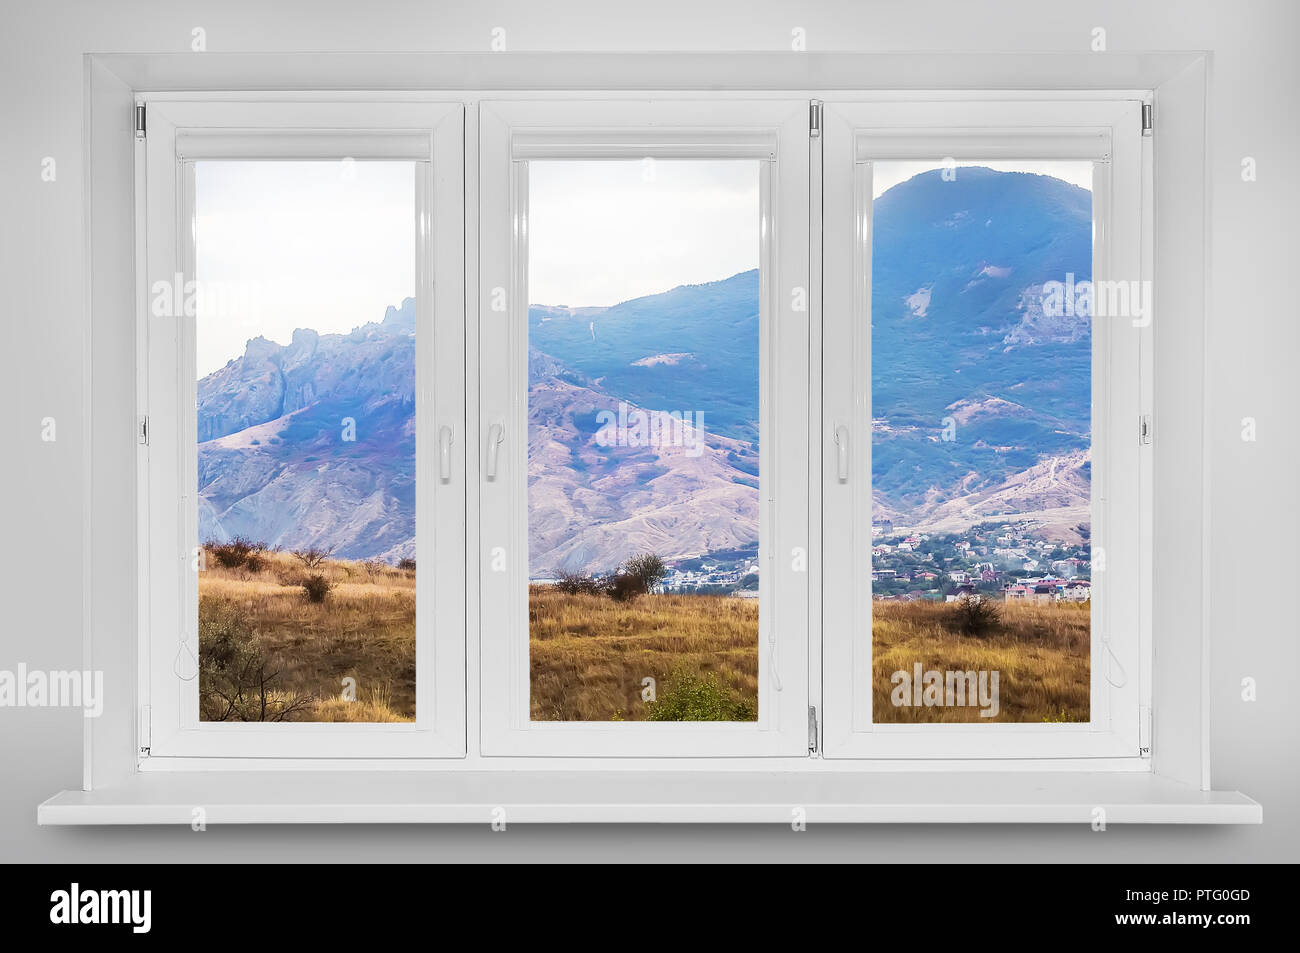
962, 592
1044, 594
1077, 590
1016, 593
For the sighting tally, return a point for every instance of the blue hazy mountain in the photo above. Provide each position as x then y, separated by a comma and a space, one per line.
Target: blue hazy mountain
694, 343
959, 340
313, 443
958, 329
958, 334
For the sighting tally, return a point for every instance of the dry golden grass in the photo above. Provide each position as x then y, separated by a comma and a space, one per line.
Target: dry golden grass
589, 654
337, 709
365, 629
1040, 652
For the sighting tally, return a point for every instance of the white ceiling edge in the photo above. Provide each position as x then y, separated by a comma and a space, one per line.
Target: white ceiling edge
761, 70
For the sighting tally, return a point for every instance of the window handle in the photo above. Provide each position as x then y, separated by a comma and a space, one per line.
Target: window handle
842, 453
496, 436
444, 454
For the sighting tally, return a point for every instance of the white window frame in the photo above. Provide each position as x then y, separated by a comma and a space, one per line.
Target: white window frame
180, 132
118, 786
1110, 134
774, 132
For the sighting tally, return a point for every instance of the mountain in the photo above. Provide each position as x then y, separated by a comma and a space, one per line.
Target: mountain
1051, 499
980, 401
959, 337
694, 340
592, 504
313, 443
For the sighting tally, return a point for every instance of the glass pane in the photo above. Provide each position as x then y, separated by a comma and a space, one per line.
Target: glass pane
643, 445
305, 340
981, 385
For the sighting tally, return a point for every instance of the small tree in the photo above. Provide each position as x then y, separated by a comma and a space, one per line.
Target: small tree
648, 568
313, 556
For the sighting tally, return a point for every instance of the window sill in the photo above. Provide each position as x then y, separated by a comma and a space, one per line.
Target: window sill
300, 797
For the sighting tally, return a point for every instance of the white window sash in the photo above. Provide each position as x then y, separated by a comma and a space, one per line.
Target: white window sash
181, 132
776, 133
1109, 135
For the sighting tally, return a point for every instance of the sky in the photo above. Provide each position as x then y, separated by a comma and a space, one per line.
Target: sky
602, 231
886, 175
285, 245
331, 245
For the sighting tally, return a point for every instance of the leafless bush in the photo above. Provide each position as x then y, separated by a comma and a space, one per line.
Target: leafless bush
313, 556
975, 616
238, 552
578, 583
316, 587
234, 681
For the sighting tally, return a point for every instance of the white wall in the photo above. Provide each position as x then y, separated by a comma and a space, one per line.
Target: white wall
1253, 348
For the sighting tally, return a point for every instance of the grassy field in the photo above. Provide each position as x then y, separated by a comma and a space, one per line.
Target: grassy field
589, 655
1041, 655
364, 629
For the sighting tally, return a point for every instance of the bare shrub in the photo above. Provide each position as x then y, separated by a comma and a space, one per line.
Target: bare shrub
313, 556
578, 583
234, 681
236, 553
624, 587
636, 577
974, 616
316, 587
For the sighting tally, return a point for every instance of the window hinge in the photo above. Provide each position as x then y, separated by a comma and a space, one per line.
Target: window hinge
1148, 119
812, 729
142, 430
139, 120
815, 118
145, 729
1144, 732
1144, 430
